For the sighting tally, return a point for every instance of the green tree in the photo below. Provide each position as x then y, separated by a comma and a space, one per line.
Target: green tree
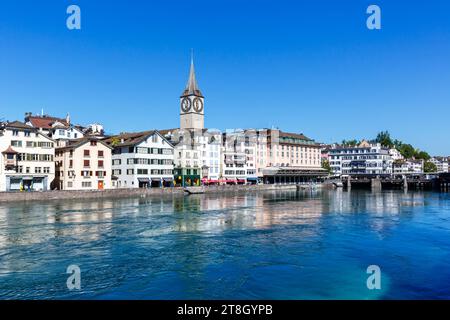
384, 138
407, 151
326, 165
115, 141
429, 167
422, 155
350, 143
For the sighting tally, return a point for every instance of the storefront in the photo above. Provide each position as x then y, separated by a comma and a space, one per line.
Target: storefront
187, 177
26, 183
144, 182
252, 180
167, 182
155, 182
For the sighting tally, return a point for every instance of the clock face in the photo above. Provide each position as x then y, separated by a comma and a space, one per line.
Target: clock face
198, 105
185, 104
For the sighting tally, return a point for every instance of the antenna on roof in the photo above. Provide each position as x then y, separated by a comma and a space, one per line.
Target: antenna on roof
42, 112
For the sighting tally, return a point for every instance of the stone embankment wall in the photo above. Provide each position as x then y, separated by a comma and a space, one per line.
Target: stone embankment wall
129, 193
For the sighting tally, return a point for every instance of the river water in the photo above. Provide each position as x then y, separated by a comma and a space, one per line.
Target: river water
271, 245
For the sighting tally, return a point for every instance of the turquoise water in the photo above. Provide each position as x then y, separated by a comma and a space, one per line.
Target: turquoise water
274, 245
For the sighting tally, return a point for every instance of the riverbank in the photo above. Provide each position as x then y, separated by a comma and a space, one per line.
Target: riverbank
129, 193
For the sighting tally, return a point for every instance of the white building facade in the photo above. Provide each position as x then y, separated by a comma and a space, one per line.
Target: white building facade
441, 164
141, 160
27, 158
365, 158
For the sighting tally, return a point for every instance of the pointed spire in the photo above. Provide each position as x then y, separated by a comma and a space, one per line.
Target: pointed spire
192, 86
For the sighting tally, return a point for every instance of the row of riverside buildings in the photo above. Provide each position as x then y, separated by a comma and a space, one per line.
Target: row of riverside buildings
374, 159
49, 153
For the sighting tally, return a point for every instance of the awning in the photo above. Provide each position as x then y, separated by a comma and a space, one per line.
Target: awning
252, 178
168, 179
143, 179
156, 179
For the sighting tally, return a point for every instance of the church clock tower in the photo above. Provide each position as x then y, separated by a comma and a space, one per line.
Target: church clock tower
192, 112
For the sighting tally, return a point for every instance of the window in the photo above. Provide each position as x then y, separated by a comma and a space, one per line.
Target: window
100, 163
117, 172
15, 133
27, 170
70, 184
37, 170
130, 171
143, 150
86, 163
86, 153
100, 153
86, 184
154, 138
100, 174
117, 162
46, 169
70, 163
86, 173
45, 144
26, 133
16, 143
142, 171
93, 143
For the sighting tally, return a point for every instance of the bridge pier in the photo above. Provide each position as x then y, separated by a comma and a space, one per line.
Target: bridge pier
375, 184
405, 183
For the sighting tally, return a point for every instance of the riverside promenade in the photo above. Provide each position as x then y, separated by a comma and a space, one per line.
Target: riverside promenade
129, 193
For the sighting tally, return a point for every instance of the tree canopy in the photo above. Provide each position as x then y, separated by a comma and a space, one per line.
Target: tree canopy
429, 167
385, 139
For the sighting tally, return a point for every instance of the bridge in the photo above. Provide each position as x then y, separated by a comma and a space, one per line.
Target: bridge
422, 181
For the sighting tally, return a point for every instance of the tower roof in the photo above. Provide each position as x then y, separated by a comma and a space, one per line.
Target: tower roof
192, 85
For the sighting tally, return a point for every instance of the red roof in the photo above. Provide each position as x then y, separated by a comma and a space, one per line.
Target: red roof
10, 150
46, 122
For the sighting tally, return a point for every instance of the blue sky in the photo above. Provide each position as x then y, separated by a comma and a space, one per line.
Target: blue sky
303, 66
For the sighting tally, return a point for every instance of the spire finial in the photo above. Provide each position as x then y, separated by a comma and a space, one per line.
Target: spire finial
192, 55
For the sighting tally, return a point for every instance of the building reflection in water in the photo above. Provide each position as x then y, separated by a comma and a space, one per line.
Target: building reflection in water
95, 227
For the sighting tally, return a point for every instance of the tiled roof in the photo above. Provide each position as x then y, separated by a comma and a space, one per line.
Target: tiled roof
10, 150
73, 144
46, 122
18, 125
129, 138
294, 135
